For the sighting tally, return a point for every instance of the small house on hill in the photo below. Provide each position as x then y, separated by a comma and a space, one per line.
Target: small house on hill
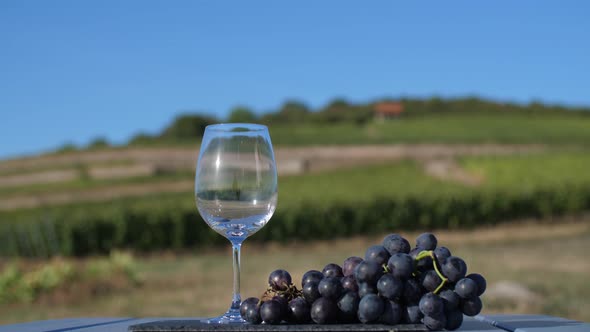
388, 110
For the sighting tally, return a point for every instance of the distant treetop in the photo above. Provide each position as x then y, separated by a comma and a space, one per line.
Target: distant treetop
189, 126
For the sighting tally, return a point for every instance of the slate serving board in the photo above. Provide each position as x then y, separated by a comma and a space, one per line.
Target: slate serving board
198, 326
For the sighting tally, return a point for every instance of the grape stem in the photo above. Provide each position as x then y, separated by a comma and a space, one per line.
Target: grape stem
290, 293
429, 253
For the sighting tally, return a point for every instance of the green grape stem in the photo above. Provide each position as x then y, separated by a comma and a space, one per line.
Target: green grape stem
429, 253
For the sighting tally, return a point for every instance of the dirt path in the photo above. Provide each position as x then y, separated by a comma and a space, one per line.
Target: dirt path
449, 169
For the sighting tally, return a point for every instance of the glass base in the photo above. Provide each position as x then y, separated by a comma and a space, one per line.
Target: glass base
232, 316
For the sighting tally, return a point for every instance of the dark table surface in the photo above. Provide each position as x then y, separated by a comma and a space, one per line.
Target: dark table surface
493, 323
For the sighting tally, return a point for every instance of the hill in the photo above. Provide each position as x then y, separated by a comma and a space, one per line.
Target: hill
386, 121
414, 166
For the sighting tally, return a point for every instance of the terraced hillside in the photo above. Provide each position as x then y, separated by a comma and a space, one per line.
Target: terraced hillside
110, 174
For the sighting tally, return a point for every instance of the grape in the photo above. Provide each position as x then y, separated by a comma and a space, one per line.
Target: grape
435, 323
348, 305
299, 311
424, 264
401, 265
368, 272
430, 280
367, 288
441, 254
390, 287
248, 303
471, 307
312, 275
480, 281
412, 314
252, 315
454, 268
279, 280
427, 241
350, 264
284, 304
377, 254
370, 308
311, 292
395, 243
332, 271
466, 288
324, 311
350, 283
454, 319
414, 252
392, 313
271, 312
412, 291
282, 298
330, 288
450, 299
431, 305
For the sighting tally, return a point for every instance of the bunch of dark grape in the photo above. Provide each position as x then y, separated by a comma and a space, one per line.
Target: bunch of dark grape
393, 284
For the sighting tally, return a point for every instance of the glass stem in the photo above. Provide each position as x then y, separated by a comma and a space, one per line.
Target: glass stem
236, 298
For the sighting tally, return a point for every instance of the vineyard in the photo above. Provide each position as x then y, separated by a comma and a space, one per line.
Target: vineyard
341, 203
452, 128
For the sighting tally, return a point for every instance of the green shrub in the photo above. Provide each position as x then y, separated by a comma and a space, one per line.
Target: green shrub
19, 285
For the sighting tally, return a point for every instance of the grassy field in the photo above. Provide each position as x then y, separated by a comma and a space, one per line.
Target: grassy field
531, 170
515, 173
478, 127
549, 262
445, 128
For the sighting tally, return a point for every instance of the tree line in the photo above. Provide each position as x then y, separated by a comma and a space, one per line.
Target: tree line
189, 125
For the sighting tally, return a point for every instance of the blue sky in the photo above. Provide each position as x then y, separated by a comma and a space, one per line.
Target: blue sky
71, 71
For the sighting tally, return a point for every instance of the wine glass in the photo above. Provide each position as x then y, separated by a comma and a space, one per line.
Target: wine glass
236, 190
